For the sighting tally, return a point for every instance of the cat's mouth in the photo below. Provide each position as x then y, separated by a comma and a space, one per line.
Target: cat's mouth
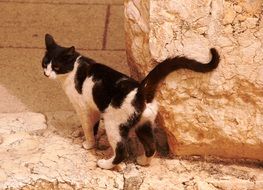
45, 74
51, 75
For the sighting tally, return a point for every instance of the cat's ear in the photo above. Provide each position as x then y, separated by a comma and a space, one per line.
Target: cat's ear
71, 51
49, 40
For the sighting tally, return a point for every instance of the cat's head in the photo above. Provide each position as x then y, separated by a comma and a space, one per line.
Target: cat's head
57, 59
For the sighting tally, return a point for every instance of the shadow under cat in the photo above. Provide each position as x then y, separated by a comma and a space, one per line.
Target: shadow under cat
66, 125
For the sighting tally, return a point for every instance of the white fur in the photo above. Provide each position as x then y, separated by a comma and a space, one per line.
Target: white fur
113, 118
106, 164
49, 72
150, 113
83, 104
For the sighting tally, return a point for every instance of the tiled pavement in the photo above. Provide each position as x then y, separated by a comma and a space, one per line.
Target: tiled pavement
94, 27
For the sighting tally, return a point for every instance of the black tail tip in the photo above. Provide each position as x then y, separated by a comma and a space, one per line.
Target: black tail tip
215, 57
214, 53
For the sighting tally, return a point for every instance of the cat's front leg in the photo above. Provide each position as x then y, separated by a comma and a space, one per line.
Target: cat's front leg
88, 128
88, 119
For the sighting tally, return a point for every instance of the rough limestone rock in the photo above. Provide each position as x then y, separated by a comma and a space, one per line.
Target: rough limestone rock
45, 153
218, 113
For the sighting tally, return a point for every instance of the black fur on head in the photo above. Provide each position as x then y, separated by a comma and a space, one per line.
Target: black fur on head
62, 59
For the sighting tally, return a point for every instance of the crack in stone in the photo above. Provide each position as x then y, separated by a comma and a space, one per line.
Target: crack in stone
215, 186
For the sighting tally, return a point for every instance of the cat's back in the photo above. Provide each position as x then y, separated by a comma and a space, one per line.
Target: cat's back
108, 86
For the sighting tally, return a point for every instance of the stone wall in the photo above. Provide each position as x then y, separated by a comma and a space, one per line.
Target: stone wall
218, 113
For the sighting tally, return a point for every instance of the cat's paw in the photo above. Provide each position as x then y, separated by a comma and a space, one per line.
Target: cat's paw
143, 160
88, 145
105, 164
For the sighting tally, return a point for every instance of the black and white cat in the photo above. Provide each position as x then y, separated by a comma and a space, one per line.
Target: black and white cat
100, 92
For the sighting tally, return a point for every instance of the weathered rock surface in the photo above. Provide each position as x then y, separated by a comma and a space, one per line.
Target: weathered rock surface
40, 154
218, 113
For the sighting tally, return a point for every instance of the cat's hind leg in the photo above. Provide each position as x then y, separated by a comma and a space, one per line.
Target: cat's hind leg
96, 128
118, 145
145, 134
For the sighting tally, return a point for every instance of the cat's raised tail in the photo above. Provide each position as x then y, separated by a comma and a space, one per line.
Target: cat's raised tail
150, 83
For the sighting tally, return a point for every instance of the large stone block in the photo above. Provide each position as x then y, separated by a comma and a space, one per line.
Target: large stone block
218, 113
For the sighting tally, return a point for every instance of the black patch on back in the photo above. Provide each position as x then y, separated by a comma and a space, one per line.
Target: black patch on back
83, 71
109, 86
80, 77
107, 90
123, 88
101, 95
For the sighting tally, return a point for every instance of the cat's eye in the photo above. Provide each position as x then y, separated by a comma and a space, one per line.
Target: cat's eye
45, 62
56, 68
